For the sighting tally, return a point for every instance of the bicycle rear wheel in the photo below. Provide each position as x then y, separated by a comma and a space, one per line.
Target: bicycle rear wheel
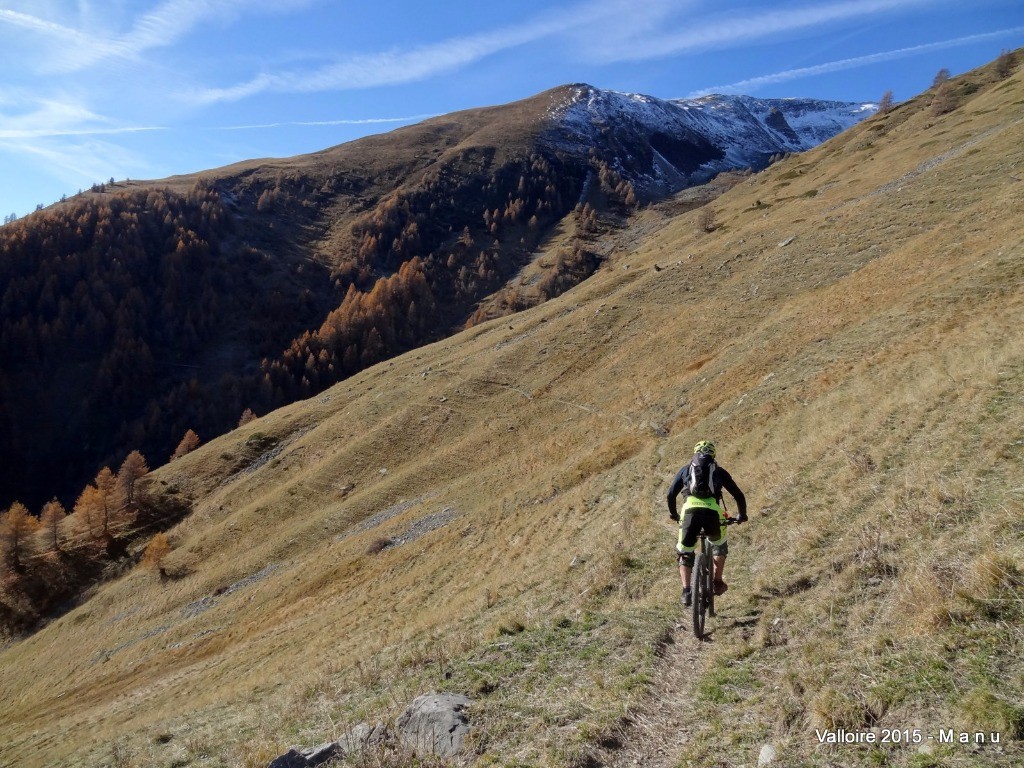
709, 584
698, 591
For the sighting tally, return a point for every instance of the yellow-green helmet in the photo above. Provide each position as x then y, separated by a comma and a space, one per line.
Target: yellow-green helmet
705, 446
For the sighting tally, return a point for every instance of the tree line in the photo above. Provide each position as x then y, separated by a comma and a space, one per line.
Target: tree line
48, 557
108, 307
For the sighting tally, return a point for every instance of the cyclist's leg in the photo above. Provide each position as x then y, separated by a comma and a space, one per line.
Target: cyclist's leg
719, 549
685, 546
720, 560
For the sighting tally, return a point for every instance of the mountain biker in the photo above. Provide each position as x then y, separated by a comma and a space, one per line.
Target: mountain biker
703, 481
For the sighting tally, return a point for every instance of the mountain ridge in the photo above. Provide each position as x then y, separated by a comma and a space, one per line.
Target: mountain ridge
745, 131
465, 199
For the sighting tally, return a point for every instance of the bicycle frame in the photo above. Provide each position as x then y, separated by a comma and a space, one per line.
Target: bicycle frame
702, 587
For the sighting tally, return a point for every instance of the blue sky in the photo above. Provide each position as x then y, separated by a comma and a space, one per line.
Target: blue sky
145, 89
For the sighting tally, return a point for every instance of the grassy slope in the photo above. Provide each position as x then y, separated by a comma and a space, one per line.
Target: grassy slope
864, 383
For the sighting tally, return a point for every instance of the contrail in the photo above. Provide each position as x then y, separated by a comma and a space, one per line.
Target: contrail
314, 123
858, 61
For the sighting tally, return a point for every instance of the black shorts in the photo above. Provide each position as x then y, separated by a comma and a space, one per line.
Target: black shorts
697, 519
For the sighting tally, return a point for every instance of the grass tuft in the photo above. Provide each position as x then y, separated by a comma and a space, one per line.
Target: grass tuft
984, 711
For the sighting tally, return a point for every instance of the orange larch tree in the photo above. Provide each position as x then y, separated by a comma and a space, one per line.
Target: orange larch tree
49, 520
87, 512
188, 444
16, 529
132, 469
157, 549
109, 498
247, 416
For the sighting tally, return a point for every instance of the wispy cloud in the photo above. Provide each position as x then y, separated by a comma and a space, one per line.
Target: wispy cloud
42, 133
164, 26
78, 163
51, 29
65, 48
317, 123
723, 31
396, 67
605, 31
751, 84
56, 117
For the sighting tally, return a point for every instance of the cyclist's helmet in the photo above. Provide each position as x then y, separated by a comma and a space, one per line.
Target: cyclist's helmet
705, 446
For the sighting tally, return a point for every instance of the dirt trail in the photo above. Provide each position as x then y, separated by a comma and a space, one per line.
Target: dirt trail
659, 727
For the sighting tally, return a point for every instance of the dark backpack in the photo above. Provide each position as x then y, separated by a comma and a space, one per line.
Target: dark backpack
701, 482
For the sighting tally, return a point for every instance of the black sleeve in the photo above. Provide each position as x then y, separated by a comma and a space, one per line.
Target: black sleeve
677, 486
726, 482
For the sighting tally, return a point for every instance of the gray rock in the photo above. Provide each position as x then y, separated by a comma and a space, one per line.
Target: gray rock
290, 759
768, 755
434, 724
305, 758
363, 736
323, 753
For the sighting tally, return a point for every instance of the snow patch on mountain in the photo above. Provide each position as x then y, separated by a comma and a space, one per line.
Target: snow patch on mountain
679, 142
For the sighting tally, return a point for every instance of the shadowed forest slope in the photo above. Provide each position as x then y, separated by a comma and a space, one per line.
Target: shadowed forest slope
175, 305
486, 514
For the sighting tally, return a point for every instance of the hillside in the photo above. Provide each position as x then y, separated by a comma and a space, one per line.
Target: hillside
486, 514
137, 311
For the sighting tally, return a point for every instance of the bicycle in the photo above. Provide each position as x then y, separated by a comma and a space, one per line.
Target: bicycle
702, 587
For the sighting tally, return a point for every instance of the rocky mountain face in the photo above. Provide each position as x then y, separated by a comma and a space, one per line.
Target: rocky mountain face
663, 146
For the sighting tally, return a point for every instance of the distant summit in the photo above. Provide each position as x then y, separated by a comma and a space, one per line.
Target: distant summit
666, 145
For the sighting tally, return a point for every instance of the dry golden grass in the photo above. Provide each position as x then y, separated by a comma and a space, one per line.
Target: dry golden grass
864, 383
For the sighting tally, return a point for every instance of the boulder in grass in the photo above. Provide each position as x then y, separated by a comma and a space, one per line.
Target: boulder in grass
290, 759
435, 724
363, 736
323, 753
309, 757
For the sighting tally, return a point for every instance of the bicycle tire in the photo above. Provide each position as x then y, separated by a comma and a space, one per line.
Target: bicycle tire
698, 587
709, 586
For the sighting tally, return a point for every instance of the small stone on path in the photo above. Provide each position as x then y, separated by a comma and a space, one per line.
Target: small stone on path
767, 755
